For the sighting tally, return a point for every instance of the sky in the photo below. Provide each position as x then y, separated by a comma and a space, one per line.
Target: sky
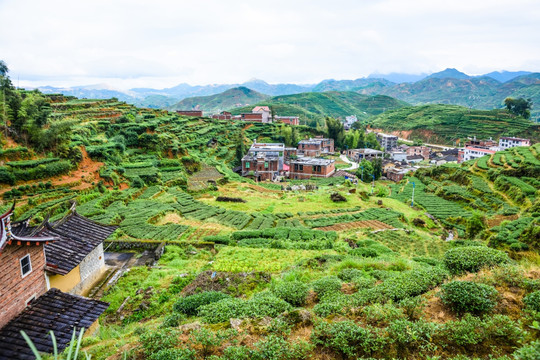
162, 43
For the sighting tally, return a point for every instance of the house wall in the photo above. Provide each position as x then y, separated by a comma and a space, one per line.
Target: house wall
91, 268
66, 282
15, 290
308, 171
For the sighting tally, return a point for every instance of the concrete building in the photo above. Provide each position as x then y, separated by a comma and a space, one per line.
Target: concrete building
265, 112
224, 115
361, 154
510, 142
264, 161
307, 167
398, 155
191, 113
388, 142
396, 174
470, 152
316, 146
423, 151
289, 120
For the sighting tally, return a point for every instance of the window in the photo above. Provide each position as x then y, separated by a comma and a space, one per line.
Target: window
26, 265
247, 165
301, 167
266, 165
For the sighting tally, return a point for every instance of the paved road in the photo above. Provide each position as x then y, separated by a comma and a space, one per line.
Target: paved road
354, 165
444, 147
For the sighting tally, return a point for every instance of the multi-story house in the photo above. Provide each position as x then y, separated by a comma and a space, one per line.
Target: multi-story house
422, 151
388, 142
510, 142
264, 161
306, 167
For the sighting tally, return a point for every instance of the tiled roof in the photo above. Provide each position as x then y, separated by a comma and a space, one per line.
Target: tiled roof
78, 236
54, 310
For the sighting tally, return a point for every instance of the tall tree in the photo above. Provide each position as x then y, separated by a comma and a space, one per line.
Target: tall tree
520, 107
3, 68
336, 131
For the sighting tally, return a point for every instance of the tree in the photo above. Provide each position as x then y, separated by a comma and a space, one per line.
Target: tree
377, 168
520, 107
372, 142
240, 148
3, 68
336, 131
475, 224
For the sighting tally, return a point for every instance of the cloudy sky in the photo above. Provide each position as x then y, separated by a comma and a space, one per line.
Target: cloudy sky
161, 43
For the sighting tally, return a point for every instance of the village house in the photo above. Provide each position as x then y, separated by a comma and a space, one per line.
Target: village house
253, 117
191, 113
314, 147
396, 174
358, 155
475, 149
27, 303
264, 161
510, 142
266, 114
388, 142
290, 152
289, 120
307, 167
423, 151
224, 115
414, 158
398, 155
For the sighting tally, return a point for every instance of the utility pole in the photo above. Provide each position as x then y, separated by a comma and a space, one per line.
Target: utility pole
362, 172
412, 199
373, 184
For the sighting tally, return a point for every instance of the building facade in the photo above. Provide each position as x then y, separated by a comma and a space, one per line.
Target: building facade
422, 151
361, 154
510, 142
264, 161
388, 142
305, 168
192, 113
470, 152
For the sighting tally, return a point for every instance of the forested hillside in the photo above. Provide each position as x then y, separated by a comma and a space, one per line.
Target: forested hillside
312, 108
448, 124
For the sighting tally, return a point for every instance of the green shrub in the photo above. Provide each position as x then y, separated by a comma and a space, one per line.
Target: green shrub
468, 296
361, 282
326, 285
261, 305
172, 320
409, 336
529, 352
349, 339
378, 314
156, 340
532, 301
332, 303
293, 292
349, 274
412, 283
6, 177
473, 258
189, 305
277, 348
173, 354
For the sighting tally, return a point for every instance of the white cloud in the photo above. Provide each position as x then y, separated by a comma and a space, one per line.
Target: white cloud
162, 43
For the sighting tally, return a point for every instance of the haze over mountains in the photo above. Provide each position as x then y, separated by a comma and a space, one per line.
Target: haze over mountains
449, 86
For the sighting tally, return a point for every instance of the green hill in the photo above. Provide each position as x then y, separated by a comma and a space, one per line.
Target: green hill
313, 107
448, 123
479, 93
240, 96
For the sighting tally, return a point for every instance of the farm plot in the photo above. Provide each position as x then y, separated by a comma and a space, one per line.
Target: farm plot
200, 180
389, 217
372, 224
411, 245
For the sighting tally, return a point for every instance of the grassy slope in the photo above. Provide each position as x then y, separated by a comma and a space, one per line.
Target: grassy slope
448, 123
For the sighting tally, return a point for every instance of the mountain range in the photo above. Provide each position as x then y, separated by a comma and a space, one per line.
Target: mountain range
449, 86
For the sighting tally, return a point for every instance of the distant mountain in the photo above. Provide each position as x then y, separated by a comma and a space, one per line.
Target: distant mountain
362, 86
236, 97
449, 73
446, 124
399, 77
312, 107
504, 76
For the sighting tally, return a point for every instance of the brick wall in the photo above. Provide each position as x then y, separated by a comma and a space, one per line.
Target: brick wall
300, 171
14, 289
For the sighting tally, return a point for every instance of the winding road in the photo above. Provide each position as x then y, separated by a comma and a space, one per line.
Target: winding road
354, 165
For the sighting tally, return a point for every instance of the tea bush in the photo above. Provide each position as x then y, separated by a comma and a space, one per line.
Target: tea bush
326, 285
348, 338
532, 301
349, 274
473, 258
412, 283
293, 292
468, 296
189, 305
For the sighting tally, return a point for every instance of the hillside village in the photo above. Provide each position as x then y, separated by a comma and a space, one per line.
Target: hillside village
249, 234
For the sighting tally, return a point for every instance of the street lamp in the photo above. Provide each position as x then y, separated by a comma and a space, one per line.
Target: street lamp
362, 172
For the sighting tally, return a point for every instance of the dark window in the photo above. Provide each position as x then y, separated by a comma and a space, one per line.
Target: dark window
26, 265
301, 167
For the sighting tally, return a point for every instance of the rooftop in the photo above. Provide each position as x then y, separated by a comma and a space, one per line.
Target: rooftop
54, 310
513, 138
312, 161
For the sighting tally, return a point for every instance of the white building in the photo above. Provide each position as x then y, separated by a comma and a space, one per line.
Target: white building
510, 142
470, 152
